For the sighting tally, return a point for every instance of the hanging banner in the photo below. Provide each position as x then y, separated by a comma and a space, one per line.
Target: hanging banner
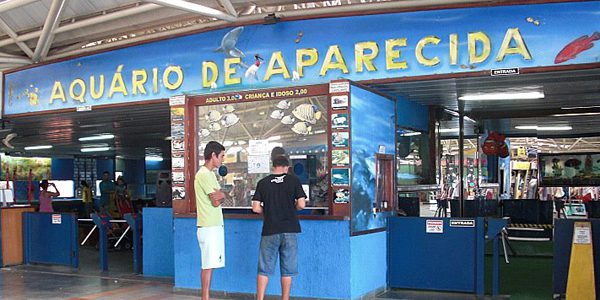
308, 52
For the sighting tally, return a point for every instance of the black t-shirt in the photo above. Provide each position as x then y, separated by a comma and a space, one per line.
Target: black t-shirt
278, 193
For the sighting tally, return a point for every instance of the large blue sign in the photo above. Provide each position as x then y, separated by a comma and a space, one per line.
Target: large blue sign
316, 51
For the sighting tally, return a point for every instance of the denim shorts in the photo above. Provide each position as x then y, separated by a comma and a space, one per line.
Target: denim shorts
284, 245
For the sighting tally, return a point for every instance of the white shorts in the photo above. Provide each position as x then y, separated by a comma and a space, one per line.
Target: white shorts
212, 246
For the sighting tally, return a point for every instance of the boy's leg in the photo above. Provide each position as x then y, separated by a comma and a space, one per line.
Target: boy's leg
286, 287
288, 261
261, 286
206, 276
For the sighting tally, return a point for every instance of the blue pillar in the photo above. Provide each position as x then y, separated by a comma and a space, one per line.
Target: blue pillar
135, 222
103, 240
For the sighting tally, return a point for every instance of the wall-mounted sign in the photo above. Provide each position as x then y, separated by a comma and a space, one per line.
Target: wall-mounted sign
460, 40
339, 87
434, 226
177, 100
462, 223
504, 72
56, 219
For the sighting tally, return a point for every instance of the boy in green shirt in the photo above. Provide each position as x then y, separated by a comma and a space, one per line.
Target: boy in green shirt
210, 232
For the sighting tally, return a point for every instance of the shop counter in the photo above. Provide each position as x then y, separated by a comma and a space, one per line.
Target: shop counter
11, 236
330, 260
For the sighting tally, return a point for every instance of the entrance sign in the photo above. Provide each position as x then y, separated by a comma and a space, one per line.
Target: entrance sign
357, 48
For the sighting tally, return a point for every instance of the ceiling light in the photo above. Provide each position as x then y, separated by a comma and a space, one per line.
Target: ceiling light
168, 138
503, 96
446, 130
154, 158
274, 138
241, 142
38, 147
319, 131
227, 143
411, 133
544, 128
97, 137
95, 149
577, 114
580, 107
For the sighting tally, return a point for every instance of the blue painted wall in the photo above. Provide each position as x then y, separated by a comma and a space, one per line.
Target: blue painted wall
412, 115
134, 174
372, 123
369, 263
158, 165
158, 242
323, 258
105, 164
62, 169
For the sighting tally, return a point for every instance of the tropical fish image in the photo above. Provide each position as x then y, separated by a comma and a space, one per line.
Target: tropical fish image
277, 114
213, 116
288, 120
533, 21
229, 108
33, 96
571, 50
302, 128
284, 104
214, 127
204, 132
307, 112
229, 120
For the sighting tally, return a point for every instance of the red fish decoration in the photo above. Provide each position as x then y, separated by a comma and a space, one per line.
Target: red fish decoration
575, 47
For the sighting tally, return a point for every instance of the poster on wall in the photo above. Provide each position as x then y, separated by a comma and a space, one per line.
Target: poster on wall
177, 144
177, 162
339, 102
340, 157
339, 121
340, 139
177, 114
342, 196
259, 164
340, 177
569, 169
39, 166
178, 193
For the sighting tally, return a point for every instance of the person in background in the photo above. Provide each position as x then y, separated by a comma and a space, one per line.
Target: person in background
86, 198
46, 196
122, 198
210, 232
278, 197
107, 188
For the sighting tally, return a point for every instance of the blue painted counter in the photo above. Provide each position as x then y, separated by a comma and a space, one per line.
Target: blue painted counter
157, 234
331, 263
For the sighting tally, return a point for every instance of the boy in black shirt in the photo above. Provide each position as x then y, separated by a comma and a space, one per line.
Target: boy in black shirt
277, 197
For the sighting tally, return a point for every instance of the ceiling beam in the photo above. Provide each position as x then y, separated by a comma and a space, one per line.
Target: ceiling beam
195, 8
13, 60
228, 7
47, 36
8, 5
87, 22
14, 37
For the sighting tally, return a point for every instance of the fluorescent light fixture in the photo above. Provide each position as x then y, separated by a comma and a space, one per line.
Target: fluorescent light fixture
447, 130
577, 114
95, 149
40, 147
240, 142
97, 137
227, 143
168, 138
411, 133
503, 96
319, 131
544, 128
274, 138
154, 158
580, 107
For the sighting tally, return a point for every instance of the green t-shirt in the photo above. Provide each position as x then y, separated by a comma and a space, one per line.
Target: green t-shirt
205, 183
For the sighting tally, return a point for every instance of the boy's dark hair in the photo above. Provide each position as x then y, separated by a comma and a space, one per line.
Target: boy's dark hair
212, 147
277, 151
281, 161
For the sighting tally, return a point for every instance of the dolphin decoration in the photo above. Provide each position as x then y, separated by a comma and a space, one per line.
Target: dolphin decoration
228, 45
